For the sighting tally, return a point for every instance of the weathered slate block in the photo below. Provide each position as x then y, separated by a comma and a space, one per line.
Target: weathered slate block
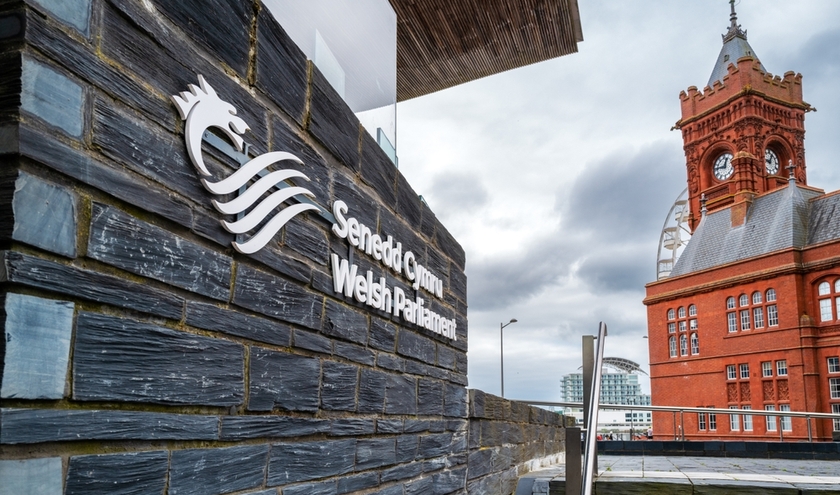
416, 425
352, 427
360, 204
407, 447
165, 366
318, 488
244, 427
304, 461
435, 445
455, 401
132, 189
383, 335
423, 486
216, 471
281, 67
211, 317
429, 397
416, 346
345, 323
447, 357
52, 97
136, 473
355, 353
386, 426
44, 215
283, 138
449, 246
277, 298
312, 341
357, 482
390, 362
229, 40
31, 477
452, 481
400, 395
332, 122
37, 347
409, 205
36, 272
339, 383
378, 170
273, 258
391, 490
280, 379
75, 14
307, 239
121, 240
404, 472
372, 391
375, 452
27, 426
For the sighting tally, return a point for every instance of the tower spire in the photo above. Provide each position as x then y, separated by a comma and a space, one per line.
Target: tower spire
734, 29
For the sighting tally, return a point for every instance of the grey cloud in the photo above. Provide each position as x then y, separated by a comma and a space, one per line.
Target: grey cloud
459, 192
624, 268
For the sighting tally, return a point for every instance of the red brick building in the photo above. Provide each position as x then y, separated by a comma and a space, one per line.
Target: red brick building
749, 317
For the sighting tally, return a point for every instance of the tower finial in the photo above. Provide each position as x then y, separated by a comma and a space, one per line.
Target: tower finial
734, 29
791, 167
703, 205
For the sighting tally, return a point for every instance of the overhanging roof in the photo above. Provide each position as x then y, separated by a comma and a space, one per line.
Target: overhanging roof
443, 43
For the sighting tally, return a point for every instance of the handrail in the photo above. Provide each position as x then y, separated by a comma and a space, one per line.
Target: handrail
591, 450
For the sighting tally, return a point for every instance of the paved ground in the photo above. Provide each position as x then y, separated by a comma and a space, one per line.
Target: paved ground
620, 475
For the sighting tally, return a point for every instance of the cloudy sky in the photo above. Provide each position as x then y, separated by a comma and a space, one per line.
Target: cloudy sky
557, 177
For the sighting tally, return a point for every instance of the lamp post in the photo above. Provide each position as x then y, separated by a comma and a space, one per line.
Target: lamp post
502, 348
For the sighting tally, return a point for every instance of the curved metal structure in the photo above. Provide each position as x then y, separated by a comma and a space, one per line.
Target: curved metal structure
623, 364
674, 237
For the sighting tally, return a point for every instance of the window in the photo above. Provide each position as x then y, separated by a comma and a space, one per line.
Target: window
767, 369
781, 367
743, 300
824, 289
681, 312
834, 387
786, 423
747, 419
745, 371
695, 344
683, 345
745, 319
671, 314
770, 295
730, 303
682, 326
771, 420
834, 365
837, 285
692, 310
756, 297
772, 315
730, 372
732, 321
672, 346
672, 328
758, 317
835, 409
712, 421
701, 421
826, 313
692, 324
734, 420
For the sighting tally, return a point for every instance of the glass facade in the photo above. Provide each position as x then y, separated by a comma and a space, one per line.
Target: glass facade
616, 388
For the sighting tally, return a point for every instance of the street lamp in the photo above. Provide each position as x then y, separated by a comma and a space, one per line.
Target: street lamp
502, 348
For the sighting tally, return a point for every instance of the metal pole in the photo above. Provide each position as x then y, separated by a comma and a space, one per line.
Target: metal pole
502, 354
591, 451
588, 358
674, 417
682, 426
573, 461
808, 422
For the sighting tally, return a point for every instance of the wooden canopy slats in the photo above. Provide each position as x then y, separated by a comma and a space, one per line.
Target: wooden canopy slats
443, 43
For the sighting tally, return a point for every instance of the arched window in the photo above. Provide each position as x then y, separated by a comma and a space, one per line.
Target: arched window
692, 310
743, 300
730, 303
824, 289
672, 346
756, 297
829, 302
695, 345
683, 345
771, 295
681, 312
671, 314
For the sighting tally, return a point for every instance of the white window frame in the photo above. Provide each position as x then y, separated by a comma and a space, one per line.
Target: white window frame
683, 345
835, 409
770, 422
824, 289
834, 388
732, 322
712, 421
701, 421
672, 346
734, 420
671, 314
786, 422
743, 300
770, 295
781, 367
745, 319
834, 364
681, 312
767, 369
744, 371
772, 316
731, 372
758, 317
730, 303
826, 310
756, 297
692, 310
747, 419
672, 327
694, 342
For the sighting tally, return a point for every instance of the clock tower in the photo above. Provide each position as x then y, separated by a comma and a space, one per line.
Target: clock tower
741, 131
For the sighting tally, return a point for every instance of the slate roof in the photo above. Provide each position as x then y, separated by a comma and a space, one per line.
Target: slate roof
785, 218
737, 47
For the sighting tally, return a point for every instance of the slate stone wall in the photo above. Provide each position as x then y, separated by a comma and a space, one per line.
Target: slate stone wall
141, 352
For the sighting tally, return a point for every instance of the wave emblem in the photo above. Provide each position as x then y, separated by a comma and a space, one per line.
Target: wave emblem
202, 109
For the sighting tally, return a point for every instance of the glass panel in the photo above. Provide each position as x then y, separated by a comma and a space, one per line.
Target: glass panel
732, 321
692, 310
747, 419
837, 285
770, 420
733, 420
695, 344
756, 297
772, 315
781, 368
672, 346
758, 317
743, 300
824, 289
682, 326
834, 387
771, 295
730, 372
681, 312
672, 328
835, 409
701, 421
730, 303
825, 310
767, 368
745, 319
683, 345
745, 371
671, 314
712, 421
834, 365
786, 423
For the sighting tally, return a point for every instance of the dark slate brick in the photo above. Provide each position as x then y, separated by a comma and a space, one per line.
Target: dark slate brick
245, 427
461, 362
458, 284
35, 347
52, 97
284, 138
357, 482
400, 395
429, 397
436, 464
228, 321
378, 170
447, 357
416, 346
455, 401
359, 204
281, 67
385, 426
435, 445
390, 362
277, 298
216, 471
293, 462
228, 40
135, 473
271, 257
391, 490
452, 481
166, 366
126, 186
346, 323
372, 391
355, 353
308, 240
383, 335
416, 425
280, 379
421, 369
407, 447
44, 215
27, 426
121, 240
319, 488
391, 225
408, 203
422, 486
375, 452
312, 341
352, 427
332, 122
404, 472
339, 384
75, 14
449, 246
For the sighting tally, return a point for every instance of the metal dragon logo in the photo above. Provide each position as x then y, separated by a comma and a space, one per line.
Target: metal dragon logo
202, 109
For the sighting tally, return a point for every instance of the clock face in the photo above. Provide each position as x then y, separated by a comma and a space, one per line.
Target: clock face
723, 166
771, 161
